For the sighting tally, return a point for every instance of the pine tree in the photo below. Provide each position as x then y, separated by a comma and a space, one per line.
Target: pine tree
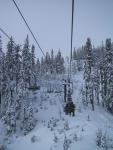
26, 62
10, 60
110, 91
31, 120
47, 63
103, 75
1, 74
38, 71
18, 64
33, 78
3, 85
27, 114
96, 81
43, 66
52, 70
10, 70
88, 73
109, 74
59, 63
9, 78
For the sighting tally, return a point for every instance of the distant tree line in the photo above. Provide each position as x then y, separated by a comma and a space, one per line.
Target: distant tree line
52, 64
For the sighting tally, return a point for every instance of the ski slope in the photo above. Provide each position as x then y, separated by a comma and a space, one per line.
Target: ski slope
83, 127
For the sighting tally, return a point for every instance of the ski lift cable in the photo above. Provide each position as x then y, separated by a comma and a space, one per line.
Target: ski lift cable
28, 26
5, 33
9, 37
72, 19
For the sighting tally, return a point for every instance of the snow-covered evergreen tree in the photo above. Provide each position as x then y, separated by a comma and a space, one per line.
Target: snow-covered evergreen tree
18, 64
96, 81
26, 63
109, 74
88, 73
74, 54
59, 63
1, 75
38, 67
52, 67
33, 78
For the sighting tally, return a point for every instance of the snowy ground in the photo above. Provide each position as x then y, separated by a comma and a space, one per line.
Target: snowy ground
52, 123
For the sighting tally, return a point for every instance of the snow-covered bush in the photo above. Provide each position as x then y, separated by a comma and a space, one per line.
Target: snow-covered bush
55, 138
66, 143
66, 125
82, 129
104, 142
52, 123
99, 137
101, 140
75, 137
33, 139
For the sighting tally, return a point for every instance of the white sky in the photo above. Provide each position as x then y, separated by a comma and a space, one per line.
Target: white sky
50, 21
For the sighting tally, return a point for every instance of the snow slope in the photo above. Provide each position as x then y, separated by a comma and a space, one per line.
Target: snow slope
51, 130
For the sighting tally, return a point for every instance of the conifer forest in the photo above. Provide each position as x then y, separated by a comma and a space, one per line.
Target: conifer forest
56, 101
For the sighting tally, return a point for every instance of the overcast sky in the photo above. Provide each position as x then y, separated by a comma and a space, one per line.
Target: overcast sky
50, 20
